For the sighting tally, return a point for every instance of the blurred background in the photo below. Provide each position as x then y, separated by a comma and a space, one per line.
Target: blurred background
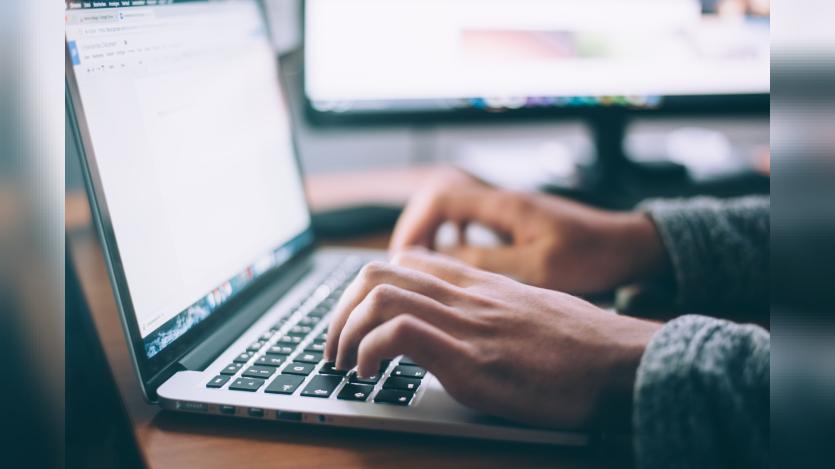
532, 95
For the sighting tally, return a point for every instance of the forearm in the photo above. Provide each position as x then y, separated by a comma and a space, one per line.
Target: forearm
718, 250
701, 396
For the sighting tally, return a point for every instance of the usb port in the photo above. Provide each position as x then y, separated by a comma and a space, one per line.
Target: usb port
255, 412
227, 409
291, 416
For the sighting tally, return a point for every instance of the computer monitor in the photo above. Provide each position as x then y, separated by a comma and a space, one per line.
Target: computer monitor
420, 58
425, 61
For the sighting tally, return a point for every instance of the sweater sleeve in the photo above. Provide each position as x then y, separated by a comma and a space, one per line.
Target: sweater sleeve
702, 396
719, 250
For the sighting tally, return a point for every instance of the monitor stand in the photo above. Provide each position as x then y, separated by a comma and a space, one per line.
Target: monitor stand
612, 179
612, 167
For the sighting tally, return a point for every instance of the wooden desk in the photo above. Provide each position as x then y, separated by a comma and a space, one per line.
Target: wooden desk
172, 440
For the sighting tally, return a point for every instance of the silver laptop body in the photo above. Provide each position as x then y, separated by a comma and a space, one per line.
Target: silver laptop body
198, 199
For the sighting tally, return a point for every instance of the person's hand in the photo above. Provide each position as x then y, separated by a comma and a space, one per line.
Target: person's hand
551, 242
512, 350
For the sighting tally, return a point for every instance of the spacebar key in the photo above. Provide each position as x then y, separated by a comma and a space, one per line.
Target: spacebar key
322, 386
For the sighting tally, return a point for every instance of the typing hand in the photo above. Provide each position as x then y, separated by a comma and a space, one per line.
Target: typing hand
509, 349
551, 242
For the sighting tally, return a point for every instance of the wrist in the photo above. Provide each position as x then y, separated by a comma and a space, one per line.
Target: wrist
641, 249
625, 355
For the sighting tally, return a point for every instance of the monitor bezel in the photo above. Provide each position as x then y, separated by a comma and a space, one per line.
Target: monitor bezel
734, 104
154, 370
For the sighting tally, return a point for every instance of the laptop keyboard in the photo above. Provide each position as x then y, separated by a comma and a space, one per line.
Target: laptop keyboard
287, 358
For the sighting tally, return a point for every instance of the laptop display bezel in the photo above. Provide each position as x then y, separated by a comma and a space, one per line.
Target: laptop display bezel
153, 371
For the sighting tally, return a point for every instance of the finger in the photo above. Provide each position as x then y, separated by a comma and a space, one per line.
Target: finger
384, 303
381, 273
422, 217
421, 207
442, 266
505, 260
434, 349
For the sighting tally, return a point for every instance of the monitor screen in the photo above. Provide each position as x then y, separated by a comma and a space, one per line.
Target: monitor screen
372, 56
189, 136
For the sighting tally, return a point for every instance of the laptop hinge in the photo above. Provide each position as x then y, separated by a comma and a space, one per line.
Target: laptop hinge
209, 349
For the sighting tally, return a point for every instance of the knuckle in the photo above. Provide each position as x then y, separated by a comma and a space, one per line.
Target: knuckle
381, 296
401, 327
373, 271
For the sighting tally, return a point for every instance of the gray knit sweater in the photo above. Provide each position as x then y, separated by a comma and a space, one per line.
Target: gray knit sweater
702, 389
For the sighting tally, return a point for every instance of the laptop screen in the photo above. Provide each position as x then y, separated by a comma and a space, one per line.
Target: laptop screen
190, 138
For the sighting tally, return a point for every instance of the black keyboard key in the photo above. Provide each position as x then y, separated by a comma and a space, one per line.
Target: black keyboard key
262, 372
255, 346
280, 350
271, 360
321, 386
407, 371
300, 335
231, 369
218, 381
319, 311
284, 384
393, 396
328, 369
266, 336
309, 321
315, 346
301, 329
366, 380
244, 357
288, 340
302, 369
405, 384
309, 357
247, 384
355, 392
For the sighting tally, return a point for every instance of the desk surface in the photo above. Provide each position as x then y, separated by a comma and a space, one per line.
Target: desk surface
184, 440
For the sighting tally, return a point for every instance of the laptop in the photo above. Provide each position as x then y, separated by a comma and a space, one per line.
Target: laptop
198, 197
